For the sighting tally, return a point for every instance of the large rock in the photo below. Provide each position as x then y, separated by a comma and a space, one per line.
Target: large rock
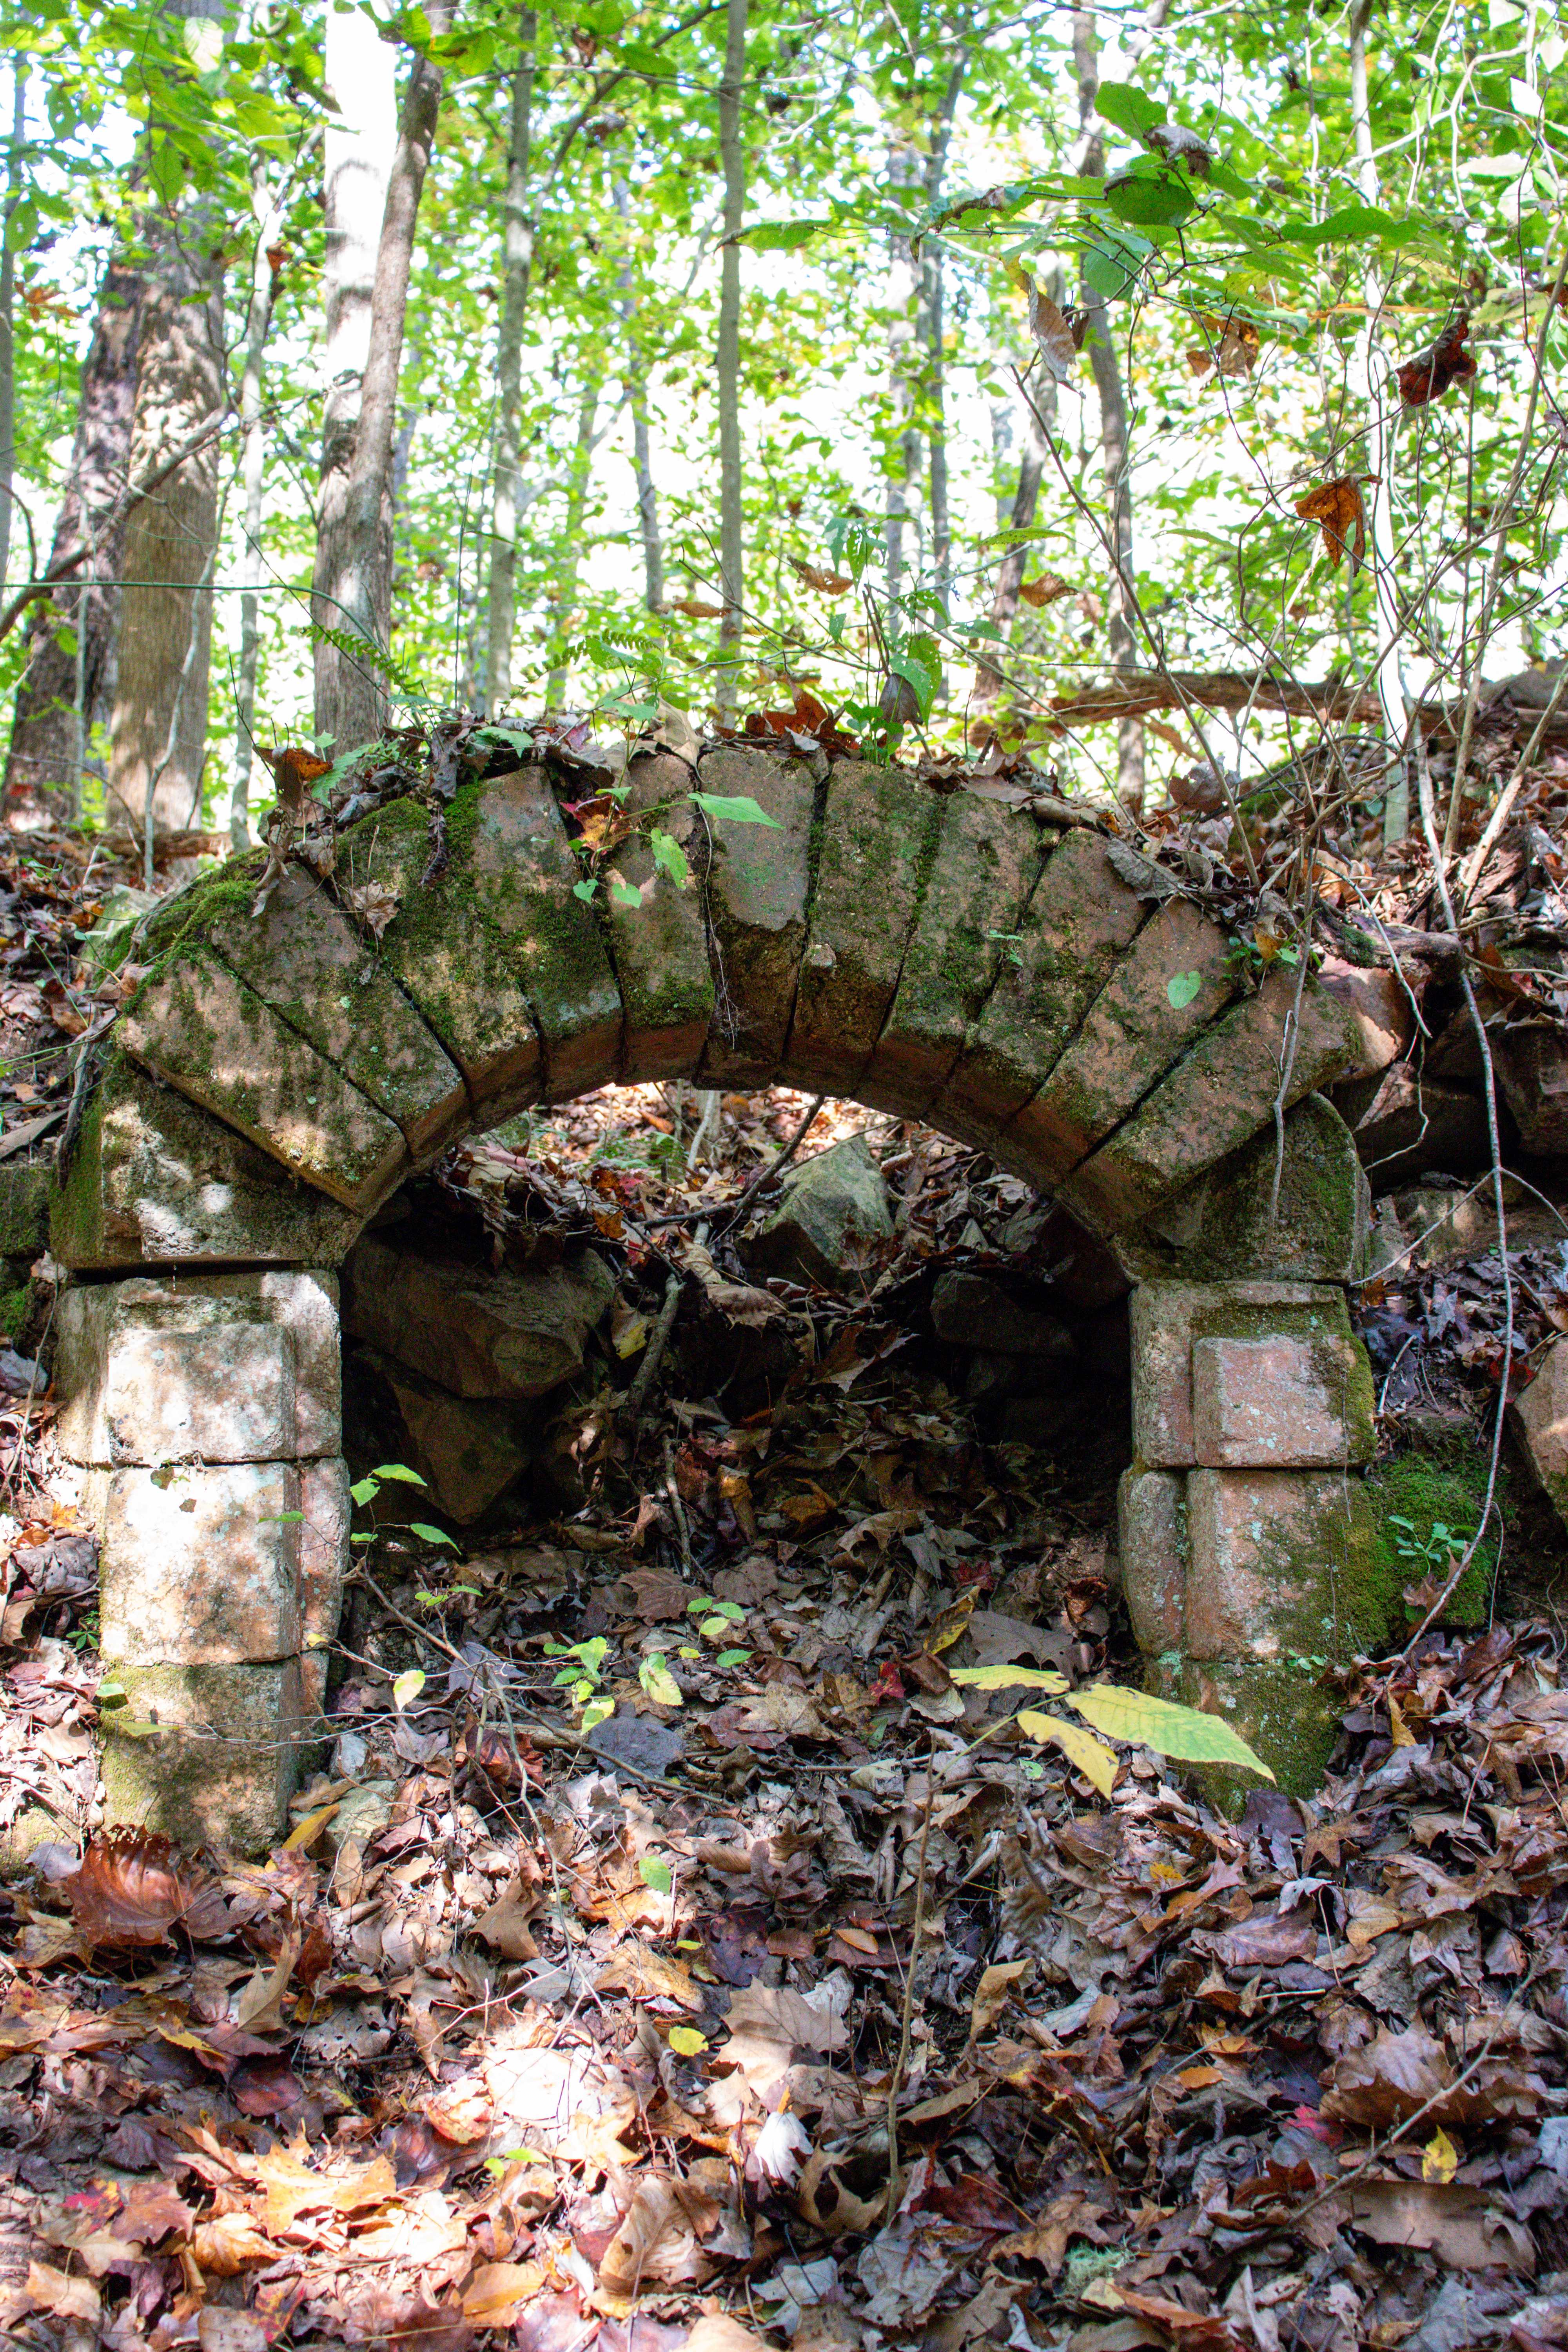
826, 1227
1540, 1423
1531, 1065
474, 1333
208, 1755
1380, 1009
1234, 1225
1405, 1124
467, 1450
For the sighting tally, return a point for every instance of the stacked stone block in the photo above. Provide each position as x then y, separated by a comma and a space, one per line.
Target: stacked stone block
206, 1410
1247, 1542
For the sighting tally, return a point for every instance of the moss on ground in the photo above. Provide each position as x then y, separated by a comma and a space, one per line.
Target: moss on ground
1446, 1492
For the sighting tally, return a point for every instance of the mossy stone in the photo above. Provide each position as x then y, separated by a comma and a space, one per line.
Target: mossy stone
1281, 1712
208, 1755
25, 1189
1428, 1494
1224, 1227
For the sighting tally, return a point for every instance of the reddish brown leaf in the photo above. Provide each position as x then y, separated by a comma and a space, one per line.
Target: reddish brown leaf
1231, 346
133, 1888
830, 583
1432, 373
1339, 509
1045, 590
1053, 336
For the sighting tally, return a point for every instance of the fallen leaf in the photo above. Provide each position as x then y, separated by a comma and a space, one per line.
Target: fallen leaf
61, 2296
1456, 2223
993, 1993
497, 2292
133, 1888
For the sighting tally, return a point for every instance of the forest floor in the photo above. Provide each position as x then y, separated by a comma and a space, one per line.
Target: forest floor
823, 2004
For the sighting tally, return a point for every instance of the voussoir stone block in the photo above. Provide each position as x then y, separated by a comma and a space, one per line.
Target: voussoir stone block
215, 1368
444, 954
660, 948
984, 863
303, 957
198, 1025
200, 1567
152, 1180
1281, 1403
1080, 917
1305, 1219
873, 842
1151, 1515
759, 889
212, 1755
1216, 1099
1283, 1565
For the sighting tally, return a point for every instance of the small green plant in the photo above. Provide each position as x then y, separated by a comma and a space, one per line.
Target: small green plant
1008, 943
581, 1678
1437, 1550
715, 1619
363, 1492
84, 1633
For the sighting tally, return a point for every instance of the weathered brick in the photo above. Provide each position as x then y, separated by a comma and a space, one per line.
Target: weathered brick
660, 949
211, 1757
1079, 921
984, 865
1281, 1403
510, 835
213, 1325
1152, 1519
448, 954
1130, 1037
1216, 1099
152, 1179
1279, 1711
1165, 1319
198, 1025
303, 957
200, 1567
1234, 1223
1282, 1566
325, 1555
873, 839
759, 885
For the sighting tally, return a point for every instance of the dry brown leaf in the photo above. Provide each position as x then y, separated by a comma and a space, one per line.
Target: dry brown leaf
830, 583
219, 2329
993, 1993
1339, 511
648, 1975
1432, 373
717, 2332
1232, 347
373, 903
497, 2292
695, 609
230, 2243
61, 2296
1456, 2223
1389, 2077
658, 2241
1045, 590
1052, 336
658, 1593
133, 1888
506, 1925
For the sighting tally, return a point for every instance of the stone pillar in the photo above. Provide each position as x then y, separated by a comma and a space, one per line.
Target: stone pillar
1247, 1544
208, 1410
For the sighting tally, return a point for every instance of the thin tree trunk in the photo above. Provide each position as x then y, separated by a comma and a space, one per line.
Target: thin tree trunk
67, 690
1010, 578
1389, 679
7, 316
1106, 367
360, 142
932, 306
253, 471
642, 454
517, 269
569, 561
732, 533
903, 327
157, 744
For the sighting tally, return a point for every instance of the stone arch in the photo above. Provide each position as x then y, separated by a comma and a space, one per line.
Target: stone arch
938, 954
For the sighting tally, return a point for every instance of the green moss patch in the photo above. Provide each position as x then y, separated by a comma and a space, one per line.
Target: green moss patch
1413, 1497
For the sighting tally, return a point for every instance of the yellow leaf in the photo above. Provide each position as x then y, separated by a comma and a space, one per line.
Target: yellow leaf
1083, 1751
1160, 1724
1403, 1734
685, 2042
309, 1828
1005, 1677
1440, 2157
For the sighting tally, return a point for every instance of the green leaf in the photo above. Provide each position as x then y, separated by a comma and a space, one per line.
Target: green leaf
712, 1627
407, 1685
654, 1873
1180, 989
1109, 271
516, 738
1129, 109
624, 893
430, 1535
731, 1657
1007, 1677
669, 857
737, 808
1160, 1724
660, 1684
281, 1520
781, 237
598, 1710
584, 890
400, 1472
365, 1490
1145, 199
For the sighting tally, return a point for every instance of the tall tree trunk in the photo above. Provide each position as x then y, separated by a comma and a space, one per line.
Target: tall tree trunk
569, 561
253, 471
1105, 365
1389, 678
66, 688
932, 306
1010, 578
157, 744
731, 534
361, 140
635, 380
903, 327
7, 314
517, 269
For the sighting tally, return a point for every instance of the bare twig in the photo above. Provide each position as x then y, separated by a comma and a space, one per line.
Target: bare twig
896, 2079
